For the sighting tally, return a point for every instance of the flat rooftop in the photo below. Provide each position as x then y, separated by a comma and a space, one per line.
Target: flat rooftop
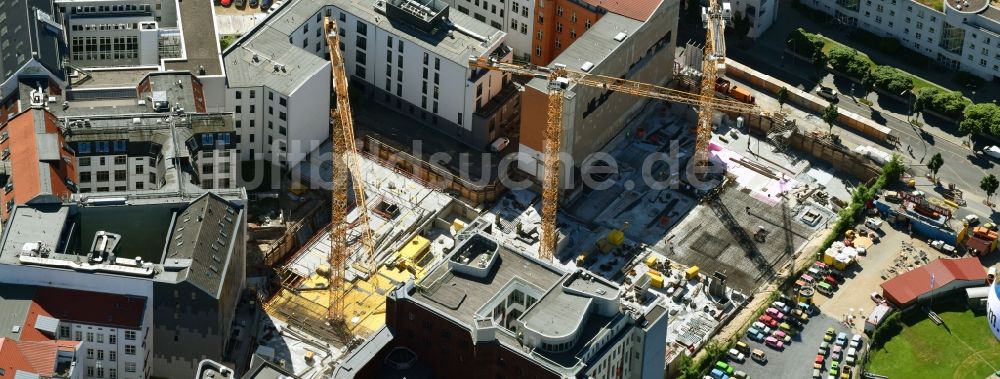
594, 46
201, 43
461, 296
62, 236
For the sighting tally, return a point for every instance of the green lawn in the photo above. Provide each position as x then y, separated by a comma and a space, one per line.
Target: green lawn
936, 4
926, 350
918, 82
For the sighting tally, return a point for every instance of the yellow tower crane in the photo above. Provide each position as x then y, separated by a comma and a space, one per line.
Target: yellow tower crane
559, 78
346, 164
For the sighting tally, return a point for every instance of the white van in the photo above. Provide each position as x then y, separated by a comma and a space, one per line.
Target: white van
873, 223
500, 144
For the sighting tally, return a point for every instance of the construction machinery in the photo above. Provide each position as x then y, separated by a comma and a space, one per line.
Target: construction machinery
346, 164
560, 78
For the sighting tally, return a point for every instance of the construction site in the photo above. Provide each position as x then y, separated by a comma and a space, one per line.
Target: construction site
690, 244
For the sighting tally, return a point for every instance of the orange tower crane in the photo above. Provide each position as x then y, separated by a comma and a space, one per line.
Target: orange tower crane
560, 78
346, 164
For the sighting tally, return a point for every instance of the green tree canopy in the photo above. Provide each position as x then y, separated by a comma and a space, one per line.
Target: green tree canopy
947, 103
981, 118
891, 79
830, 115
935, 163
849, 62
989, 184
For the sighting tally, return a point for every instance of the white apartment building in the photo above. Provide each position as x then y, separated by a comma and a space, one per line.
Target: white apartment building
150, 152
415, 63
760, 13
515, 17
121, 33
964, 36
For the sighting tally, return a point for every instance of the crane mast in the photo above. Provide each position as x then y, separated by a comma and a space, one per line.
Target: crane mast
345, 164
560, 77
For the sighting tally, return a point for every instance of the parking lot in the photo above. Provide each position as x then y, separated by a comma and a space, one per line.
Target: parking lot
796, 361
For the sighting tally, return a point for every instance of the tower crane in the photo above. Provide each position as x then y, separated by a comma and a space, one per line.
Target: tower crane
559, 78
346, 164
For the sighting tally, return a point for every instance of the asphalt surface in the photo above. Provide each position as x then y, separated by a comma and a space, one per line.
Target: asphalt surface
796, 361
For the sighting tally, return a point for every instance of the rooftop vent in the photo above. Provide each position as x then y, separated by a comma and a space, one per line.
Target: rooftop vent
620, 36
587, 66
426, 15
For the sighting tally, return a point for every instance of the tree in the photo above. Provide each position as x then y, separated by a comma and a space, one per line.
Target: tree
989, 184
782, 97
849, 62
891, 79
688, 370
741, 26
947, 103
830, 115
806, 44
981, 118
935, 163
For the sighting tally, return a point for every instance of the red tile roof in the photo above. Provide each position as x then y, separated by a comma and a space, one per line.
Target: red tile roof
37, 357
26, 168
905, 288
634, 9
85, 307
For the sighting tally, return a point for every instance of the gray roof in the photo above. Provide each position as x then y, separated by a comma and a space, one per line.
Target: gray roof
594, 46
461, 296
72, 226
205, 233
261, 368
29, 37
200, 43
15, 299
47, 324
359, 357
270, 41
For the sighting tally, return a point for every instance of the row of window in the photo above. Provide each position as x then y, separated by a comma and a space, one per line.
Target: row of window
270, 96
119, 146
118, 160
270, 110
112, 354
92, 27
104, 48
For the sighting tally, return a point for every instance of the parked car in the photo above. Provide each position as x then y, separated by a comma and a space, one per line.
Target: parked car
758, 355
873, 223
827, 93
740, 375
499, 144
819, 360
724, 367
829, 335
836, 353
717, 374
275, 6
993, 151
878, 299
768, 320
781, 306
845, 372
755, 335
782, 336
254, 3
265, 5
742, 347
834, 368
817, 373
842, 339
856, 341
226, 3
824, 348
852, 355
972, 220
760, 326
829, 279
241, 3
774, 312
774, 343
736, 355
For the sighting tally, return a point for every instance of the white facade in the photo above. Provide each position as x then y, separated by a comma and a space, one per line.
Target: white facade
512, 16
216, 168
761, 14
110, 352
964, 37
120, 172
121, 33
270, 125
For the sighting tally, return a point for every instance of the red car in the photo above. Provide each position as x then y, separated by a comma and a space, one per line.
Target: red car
769, 321
831, 280
226, 3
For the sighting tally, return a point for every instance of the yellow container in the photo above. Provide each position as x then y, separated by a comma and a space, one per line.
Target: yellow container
650, 260
655, 280
691, 272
